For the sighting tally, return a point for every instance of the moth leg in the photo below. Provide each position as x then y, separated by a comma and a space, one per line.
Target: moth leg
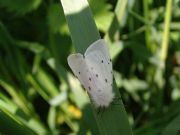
103, 109
100, 111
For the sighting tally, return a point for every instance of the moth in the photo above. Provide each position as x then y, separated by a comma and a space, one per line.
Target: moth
94, 71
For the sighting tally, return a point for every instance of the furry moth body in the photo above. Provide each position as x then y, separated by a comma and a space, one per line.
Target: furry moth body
94, 71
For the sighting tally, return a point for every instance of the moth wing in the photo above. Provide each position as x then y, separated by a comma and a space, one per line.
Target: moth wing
101, 46
80, 69
94, 72
98, 45
98, 60
98, 52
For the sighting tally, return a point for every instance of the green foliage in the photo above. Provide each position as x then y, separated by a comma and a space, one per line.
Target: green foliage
20, 6
101, 11
56, 19
39, 94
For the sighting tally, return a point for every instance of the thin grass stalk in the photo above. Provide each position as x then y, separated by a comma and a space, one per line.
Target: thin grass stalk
165, 38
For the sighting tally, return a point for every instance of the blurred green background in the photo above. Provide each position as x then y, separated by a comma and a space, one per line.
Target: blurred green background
39, 94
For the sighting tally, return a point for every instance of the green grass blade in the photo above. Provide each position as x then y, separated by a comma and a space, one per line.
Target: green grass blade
173, 128
150, 45
118, 19
165, 38
28, 120
112, 121
11, 126
78, 19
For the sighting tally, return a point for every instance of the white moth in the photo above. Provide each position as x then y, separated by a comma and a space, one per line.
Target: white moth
94, 71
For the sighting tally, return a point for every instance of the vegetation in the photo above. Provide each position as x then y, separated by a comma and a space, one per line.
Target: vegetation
39, 94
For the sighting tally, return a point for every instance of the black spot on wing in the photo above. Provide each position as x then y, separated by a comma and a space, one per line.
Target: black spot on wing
89, 88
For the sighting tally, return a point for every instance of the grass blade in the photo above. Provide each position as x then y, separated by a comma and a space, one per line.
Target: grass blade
11, 126
173, 128
79, 18
165, 37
